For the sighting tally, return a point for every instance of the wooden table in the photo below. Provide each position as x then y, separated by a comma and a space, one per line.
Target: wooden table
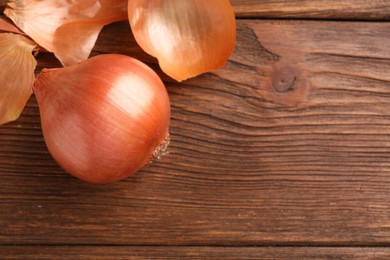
282, 154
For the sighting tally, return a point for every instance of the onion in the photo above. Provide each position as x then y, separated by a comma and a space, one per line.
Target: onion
104, 118
188, 37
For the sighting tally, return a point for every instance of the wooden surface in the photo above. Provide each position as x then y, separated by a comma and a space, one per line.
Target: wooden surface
314, 9
282, 154
197, 253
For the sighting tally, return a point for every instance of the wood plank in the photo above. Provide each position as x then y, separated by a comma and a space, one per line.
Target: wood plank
287, 144
122, 252
315, 9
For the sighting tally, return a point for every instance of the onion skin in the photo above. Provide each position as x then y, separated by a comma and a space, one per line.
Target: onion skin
68, 28
7, 26
17, 65
104, 118
188, 37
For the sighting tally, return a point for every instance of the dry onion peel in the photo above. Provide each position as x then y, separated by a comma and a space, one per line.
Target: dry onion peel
16, 76
187, 37
7, 26
69, 29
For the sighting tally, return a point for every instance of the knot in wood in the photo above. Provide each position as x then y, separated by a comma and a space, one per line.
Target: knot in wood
284, 78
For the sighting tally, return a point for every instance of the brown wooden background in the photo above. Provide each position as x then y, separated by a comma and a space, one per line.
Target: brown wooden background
282, 154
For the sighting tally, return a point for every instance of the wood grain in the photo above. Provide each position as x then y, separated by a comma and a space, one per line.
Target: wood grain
314, 9
196, 253
288, 144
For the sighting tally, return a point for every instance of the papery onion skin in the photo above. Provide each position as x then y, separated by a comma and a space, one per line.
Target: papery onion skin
188, 37
7, 26
17, 65
103, 119
69, 29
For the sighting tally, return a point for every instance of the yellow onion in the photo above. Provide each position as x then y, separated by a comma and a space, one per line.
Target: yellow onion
105, 118
69, 29
17, 65
188, 37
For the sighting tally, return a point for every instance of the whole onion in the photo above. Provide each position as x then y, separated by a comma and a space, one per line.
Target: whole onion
104, 118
